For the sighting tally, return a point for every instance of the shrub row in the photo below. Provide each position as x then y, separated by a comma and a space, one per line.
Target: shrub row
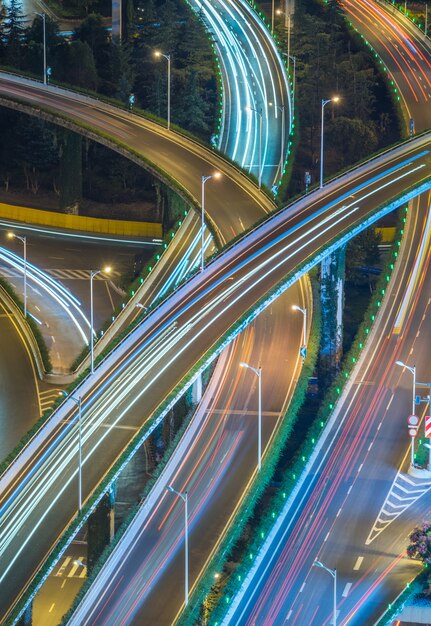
262, 479
406, 597
43, 349
130, 517
298, 465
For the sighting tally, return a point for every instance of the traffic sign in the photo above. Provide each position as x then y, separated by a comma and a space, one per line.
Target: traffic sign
418, 399
413, 432
428, 426
413, 420
303, 351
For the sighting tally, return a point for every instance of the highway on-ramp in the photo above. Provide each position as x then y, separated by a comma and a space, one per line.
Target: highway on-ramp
357, 504
126, 391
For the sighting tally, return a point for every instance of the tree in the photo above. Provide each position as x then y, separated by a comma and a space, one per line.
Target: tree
350, 139
33, 54
75, 64
362, 252
420, 543
193, 108
14, 32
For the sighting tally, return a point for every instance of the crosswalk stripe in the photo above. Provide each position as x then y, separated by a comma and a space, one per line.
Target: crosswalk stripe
389, 512
63, 567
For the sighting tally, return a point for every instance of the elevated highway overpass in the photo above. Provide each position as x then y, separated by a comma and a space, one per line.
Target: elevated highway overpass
138, 382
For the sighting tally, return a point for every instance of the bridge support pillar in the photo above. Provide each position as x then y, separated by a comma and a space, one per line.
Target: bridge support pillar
197, 389
332, 299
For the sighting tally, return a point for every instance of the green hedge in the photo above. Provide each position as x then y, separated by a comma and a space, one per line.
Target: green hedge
307, 447
411, 590
263, 479
131, 515
43, 349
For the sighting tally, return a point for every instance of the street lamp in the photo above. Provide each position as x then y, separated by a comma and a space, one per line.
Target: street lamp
23, 240
258, 372
93, 273
333, 573
412, 371
324, 103
185, 498
43, 16
204, 180
295, 307
159, 54
78, 402
259, 113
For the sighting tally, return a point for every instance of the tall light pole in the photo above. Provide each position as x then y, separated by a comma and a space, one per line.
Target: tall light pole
204, 180
168, 58
78, 402
324, 103
295, 307
185, 498
412, 370
23, 240
93, 273
333, 573
259, 113
43, 16
258, 372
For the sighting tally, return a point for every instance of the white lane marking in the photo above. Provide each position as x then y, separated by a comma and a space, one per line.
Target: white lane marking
346, 590
289, 614
326, 537
339, 511
302, 588
370, 446
360, 467
390, 402
350, 489
358, 563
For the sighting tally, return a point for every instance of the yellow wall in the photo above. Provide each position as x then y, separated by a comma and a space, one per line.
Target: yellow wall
388, 234
78, 222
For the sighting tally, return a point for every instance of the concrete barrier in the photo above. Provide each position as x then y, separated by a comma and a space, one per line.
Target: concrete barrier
79, 222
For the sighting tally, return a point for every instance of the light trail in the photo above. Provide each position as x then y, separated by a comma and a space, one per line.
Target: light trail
52, 288
139, 364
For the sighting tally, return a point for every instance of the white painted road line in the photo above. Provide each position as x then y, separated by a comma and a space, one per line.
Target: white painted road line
302, 588
346, 590
358, 563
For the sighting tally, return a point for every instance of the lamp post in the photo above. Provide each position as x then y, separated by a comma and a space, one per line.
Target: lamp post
43, 16
185, 498
324, 103
168, 58
93, 273
23, 240
333, 573
295, 307
412, 370
258, 372
259, 113
78, 402
204, 180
